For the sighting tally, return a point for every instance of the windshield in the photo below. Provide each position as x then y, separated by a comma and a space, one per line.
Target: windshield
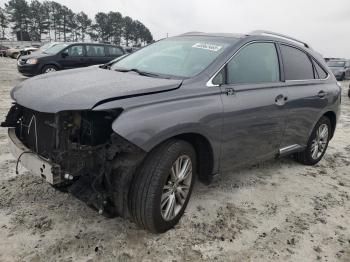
178, 56
46, 46
336, 64
55, 49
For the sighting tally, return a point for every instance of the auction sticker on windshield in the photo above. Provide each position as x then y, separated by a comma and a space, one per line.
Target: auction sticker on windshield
206, 46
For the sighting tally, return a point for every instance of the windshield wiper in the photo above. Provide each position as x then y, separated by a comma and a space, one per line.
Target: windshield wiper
142, 73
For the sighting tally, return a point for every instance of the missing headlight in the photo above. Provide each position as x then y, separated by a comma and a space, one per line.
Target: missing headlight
91, 128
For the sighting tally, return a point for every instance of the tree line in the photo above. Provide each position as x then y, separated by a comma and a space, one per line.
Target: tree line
51, 20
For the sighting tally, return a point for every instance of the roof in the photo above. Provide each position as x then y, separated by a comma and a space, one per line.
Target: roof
229, 35
264, 33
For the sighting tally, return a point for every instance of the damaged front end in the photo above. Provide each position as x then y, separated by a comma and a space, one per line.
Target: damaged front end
77, 151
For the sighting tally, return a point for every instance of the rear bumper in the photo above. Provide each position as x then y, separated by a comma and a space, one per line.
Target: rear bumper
34, 163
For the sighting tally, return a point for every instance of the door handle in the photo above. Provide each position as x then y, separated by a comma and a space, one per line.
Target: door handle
322, 94
229, 91
280, 100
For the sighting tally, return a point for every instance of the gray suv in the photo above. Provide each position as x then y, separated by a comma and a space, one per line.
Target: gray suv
130, 138
340, 68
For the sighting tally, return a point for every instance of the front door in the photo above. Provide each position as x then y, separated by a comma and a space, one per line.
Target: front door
254, 99
73, 57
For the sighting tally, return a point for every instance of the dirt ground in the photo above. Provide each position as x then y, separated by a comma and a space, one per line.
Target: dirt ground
277, 211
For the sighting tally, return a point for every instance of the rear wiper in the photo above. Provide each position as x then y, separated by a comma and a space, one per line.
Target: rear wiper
143, 73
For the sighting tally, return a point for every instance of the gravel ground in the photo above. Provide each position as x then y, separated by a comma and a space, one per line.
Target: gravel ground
277, 211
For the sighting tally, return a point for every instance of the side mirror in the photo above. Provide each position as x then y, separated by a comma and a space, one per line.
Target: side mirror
64, 54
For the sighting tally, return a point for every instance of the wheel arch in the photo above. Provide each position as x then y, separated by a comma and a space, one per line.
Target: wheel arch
333, 119
50, 64
204, 153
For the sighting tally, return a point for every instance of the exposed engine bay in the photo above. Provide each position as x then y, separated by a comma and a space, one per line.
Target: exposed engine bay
88, 158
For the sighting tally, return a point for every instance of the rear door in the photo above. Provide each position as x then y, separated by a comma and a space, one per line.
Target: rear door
73, 57
308, 94
96, 54
254, 98
114, 52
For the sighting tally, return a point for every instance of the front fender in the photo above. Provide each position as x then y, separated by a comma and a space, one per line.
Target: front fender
148, 126
50, 63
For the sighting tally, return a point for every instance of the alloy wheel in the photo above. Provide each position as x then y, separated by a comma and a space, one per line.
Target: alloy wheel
50, 70
176, 188
319, 144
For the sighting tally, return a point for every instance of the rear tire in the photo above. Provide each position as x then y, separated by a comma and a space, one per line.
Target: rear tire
158, 198
317, 144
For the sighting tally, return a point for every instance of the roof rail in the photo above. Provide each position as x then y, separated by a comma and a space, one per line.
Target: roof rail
263, 32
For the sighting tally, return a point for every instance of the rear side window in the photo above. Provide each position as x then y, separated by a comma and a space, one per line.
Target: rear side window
95, 50
297, 64
255, 63
114, 51
320, 72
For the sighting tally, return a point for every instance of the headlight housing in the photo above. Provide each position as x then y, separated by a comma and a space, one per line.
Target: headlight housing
32, 61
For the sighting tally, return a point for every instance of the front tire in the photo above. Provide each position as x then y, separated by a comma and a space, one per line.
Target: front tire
49, 69
342, 78
317, 144
162, 186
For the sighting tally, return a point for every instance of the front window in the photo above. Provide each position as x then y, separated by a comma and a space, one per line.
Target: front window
74, 51
256, 63
336, 64
55, 49
178, 56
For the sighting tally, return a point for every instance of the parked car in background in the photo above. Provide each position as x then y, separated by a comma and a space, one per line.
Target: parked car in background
3, 50
340, 69
13, 52
63, 56
31, 50
131, 49
27, 51
131, 139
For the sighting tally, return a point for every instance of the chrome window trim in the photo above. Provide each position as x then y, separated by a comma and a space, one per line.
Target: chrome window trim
210, 81
316, 79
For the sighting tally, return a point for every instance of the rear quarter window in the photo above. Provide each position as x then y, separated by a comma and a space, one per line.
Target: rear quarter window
297, 64
320, 72
114, 51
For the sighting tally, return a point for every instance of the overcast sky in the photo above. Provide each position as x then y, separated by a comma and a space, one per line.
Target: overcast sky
324, 24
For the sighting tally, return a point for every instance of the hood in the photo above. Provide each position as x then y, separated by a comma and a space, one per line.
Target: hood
81, 89
36, 54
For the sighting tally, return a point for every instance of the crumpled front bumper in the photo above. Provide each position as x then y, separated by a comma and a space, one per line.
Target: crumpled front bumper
33, 162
